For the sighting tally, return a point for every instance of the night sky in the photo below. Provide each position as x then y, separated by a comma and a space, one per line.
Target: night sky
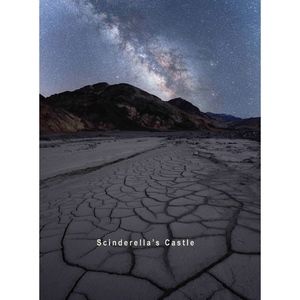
205, 51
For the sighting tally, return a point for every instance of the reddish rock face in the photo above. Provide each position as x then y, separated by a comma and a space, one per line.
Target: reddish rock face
58, 120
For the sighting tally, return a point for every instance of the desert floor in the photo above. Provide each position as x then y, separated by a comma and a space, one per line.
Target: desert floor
152, 188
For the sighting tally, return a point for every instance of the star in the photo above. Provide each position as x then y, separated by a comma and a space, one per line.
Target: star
169, 48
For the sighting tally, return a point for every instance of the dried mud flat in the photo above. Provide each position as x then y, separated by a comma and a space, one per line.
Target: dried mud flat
206, 190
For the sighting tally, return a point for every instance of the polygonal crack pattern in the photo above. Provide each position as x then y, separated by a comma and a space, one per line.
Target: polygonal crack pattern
204, 190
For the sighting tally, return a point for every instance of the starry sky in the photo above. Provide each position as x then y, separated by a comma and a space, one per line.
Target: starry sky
205, 51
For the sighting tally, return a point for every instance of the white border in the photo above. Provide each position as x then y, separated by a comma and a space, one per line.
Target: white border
280, 149
19, 213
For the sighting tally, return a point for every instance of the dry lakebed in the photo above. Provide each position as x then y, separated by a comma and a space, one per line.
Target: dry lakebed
150, 217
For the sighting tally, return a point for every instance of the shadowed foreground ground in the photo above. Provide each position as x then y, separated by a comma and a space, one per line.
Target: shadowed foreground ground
206, 190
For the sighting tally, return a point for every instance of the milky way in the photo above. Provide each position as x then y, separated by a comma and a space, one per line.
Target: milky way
205, 51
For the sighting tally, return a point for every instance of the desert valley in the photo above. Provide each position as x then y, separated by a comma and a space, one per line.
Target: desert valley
118, 163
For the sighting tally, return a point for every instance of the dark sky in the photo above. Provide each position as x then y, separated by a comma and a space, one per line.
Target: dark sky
206, 51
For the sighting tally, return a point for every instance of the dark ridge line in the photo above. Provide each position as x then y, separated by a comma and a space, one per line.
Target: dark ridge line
84, 171
75, 284
195, 276
81, 294
227, 287
214, 292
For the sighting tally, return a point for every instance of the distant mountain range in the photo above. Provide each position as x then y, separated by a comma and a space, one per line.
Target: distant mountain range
124, 107
223, 117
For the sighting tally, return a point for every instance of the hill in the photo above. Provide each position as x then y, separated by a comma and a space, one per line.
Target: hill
121, 106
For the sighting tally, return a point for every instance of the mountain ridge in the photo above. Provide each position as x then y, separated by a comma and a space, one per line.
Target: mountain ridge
224, 117
122, 106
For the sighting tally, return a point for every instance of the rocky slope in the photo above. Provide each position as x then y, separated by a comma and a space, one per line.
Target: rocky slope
186, 106
250, 123
223, 117
124, 107
121, 106
58, 120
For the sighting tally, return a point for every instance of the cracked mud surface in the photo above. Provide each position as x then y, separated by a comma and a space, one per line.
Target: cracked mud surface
206, 190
